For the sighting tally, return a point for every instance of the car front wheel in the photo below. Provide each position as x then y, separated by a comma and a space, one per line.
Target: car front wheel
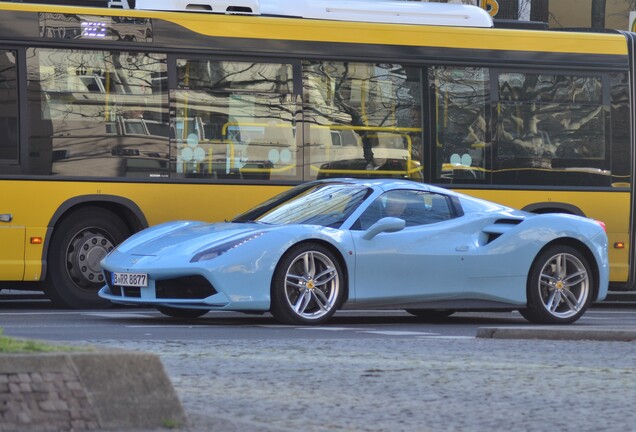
308, 285
560, 287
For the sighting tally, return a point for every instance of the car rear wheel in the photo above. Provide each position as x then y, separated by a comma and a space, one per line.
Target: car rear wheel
308, 285
182, 312
431, 314
560, 287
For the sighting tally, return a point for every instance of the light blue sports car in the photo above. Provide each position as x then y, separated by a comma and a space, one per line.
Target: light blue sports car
373, 244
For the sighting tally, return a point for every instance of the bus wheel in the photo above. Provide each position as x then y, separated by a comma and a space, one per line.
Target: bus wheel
78, 245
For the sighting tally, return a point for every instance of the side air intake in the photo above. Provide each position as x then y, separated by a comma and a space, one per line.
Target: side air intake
499, 227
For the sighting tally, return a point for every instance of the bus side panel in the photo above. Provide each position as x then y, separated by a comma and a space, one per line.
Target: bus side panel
12, 253
33, 265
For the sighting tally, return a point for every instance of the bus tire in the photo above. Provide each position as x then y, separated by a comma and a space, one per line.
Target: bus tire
78, 244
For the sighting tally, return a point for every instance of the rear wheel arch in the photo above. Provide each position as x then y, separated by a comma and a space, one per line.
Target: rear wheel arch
587, 253
127, 210
553, 207
557, 292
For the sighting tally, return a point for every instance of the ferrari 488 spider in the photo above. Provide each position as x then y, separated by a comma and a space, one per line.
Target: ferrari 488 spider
373, 244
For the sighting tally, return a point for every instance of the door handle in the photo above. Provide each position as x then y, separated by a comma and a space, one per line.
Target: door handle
6, 217
462, 248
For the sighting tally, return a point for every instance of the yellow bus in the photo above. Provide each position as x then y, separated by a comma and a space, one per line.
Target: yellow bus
115, 119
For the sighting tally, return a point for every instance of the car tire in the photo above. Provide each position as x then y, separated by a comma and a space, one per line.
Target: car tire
560, 286
308, 285
78, 244
431, 315
182, 312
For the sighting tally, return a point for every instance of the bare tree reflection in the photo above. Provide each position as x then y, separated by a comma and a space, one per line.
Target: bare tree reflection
364, 106
546, 117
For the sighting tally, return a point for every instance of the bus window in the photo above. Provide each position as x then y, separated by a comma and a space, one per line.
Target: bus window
8, 107
362, 120
620, 138
461, 139
101, 113
551, 130
234, 120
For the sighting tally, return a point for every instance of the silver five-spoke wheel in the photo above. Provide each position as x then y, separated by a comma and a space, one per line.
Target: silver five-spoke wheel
564, 285
307, 286
560, 286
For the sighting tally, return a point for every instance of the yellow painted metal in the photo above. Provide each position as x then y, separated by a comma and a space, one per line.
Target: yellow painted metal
11, 252
163, 202
390, 34
33, 254
257, 27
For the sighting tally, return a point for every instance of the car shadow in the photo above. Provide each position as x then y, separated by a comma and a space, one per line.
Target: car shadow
339, 320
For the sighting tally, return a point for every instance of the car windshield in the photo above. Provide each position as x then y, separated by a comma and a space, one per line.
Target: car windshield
325, 204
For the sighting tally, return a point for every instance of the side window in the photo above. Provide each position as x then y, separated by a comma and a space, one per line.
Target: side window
462, 100
97, 113
234, 120
551, 129
362, 120
620, 130
8, 107
415, 207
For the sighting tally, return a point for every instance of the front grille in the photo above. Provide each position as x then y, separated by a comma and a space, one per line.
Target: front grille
189, 287
131, 291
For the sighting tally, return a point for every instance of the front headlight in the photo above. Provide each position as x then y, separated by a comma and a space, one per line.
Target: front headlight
220, 249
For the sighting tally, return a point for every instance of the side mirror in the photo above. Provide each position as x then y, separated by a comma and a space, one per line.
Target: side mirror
387, 224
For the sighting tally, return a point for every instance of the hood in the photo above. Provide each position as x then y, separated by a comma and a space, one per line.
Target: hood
186, 237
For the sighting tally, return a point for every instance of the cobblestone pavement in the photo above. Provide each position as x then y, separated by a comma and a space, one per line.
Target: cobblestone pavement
54, 400
401, 384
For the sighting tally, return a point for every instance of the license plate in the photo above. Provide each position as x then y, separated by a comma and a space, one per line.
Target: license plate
130, 279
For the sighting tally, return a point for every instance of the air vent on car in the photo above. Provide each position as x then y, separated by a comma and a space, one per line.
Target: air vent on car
499, 227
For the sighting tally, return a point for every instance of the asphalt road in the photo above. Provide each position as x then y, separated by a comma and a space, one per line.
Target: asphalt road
34, 317
366, 371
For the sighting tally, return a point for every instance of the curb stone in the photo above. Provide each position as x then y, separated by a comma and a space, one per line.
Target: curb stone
558, 333
98, 390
